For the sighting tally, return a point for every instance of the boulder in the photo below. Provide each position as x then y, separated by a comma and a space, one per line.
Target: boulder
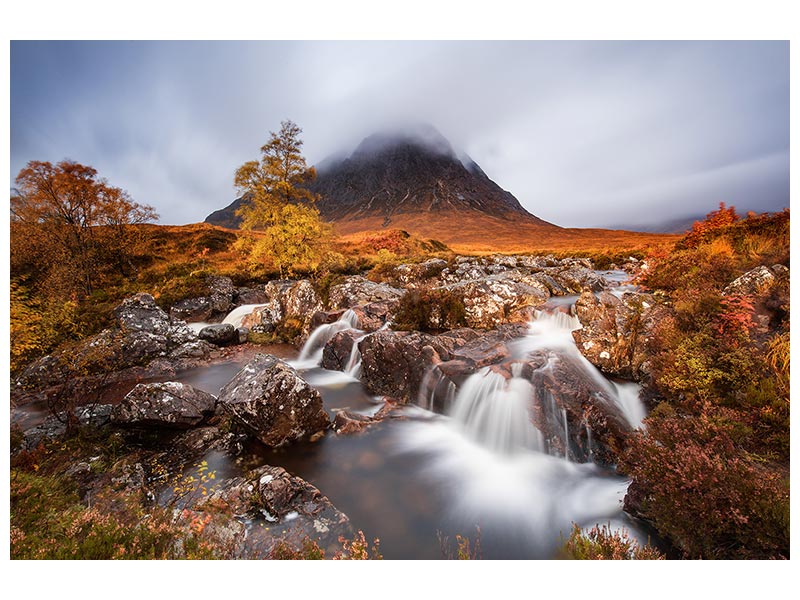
141, 347
195, 349
336, 353
414, 274
180, 333
171, 404
292, 302
140, 313
54, 426
563, 386
465, 269
347, 422
394, 363
615, 331
192, 310
221, 293
578, 276
245, 295
498, 299
358, 291
290, 510
221, 334
751, 283
272, 402
371, 317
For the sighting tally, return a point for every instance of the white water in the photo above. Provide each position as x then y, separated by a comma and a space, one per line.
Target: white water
311, 353
353, 367
493, 412
237, 315
553, 332
627, 399
494, 465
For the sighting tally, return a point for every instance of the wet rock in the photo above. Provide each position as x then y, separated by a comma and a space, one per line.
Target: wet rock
221, 293
393, 363
565, 385
170, 404
192, 310
246, 295
549, 282
358, 291
347, 422
289, 508
751, 283
272, 402
615, 332
287, 303
498, 299
140, 313
197, 349
371, 317
490, 347
301, 301
141, 347
54, 426
416, 273
375, 315
578, 276
180, 333
336, 353
266, 318
221, 334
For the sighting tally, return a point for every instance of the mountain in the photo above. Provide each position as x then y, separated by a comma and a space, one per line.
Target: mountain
404, 177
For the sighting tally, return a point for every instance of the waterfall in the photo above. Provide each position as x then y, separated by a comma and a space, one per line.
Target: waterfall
493, 411
311, 353
237, 315
553, 332
427, 389
353, 367
627, 399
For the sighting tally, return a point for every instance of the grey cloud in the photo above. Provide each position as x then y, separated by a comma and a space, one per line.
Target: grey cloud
584, 134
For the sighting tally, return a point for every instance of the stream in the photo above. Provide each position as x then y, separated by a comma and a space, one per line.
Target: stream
418, 478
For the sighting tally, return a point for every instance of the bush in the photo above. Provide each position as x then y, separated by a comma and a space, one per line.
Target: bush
601, 543
429, 310
701, 492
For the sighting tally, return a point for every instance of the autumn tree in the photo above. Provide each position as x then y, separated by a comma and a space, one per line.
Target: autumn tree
280, 205
69, 225
71, 232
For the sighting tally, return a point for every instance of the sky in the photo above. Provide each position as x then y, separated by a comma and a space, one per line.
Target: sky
584, 134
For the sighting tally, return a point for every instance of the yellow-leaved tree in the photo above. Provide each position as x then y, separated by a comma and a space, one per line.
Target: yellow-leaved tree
293, 235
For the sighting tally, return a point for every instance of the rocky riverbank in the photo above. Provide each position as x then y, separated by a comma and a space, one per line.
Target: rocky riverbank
481, 309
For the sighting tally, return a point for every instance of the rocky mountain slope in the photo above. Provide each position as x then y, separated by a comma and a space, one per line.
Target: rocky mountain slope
396, 178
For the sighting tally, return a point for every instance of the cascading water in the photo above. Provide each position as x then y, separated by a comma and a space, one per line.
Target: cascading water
496, 469
311, 353
237, 315
353, 367
493, 411
552, 332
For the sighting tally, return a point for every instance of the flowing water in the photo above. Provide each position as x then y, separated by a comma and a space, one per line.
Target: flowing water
415, 480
